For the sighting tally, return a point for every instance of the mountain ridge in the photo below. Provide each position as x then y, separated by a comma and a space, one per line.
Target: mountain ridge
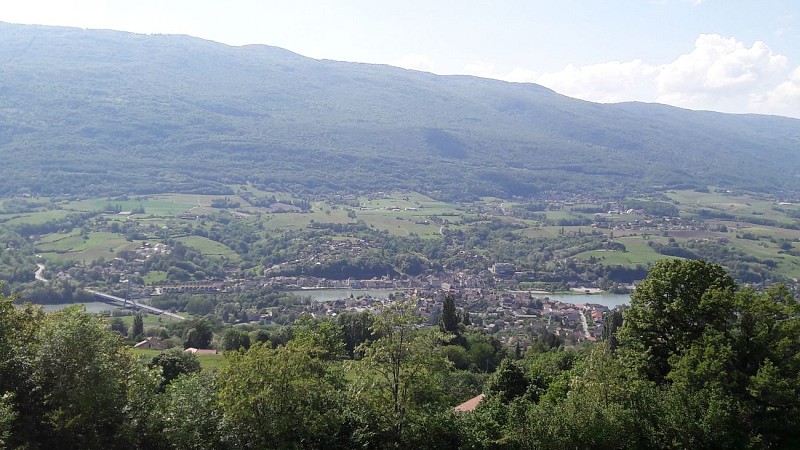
173, 106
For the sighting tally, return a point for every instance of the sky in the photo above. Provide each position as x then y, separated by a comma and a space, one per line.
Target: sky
720, 55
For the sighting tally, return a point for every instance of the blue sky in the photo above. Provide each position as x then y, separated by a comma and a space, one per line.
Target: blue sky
722, 55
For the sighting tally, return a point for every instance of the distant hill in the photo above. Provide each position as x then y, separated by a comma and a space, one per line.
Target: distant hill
89, 111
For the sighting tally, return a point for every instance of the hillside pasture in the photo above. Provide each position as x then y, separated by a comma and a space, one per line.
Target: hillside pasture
211, 249
33, 218
637, 252
74, 247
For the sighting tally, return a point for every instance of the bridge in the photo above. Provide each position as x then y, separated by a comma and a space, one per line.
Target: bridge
131, 303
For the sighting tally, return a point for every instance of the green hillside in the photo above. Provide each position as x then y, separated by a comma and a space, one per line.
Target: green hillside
87, 111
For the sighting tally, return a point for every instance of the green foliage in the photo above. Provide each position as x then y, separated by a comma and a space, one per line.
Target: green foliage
235, 340
117, 325
612, 320
507, 382
190, 413
7, 417
607, 407
323, 336
199, 306
137, 328
449, 320
265, 394
83, 373
399, 378
199, 334
726, 377
356, 329
174, 363
671, 309
179, 123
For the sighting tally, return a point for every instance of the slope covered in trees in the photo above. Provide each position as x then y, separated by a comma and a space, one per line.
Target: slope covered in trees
88, 111
699, 363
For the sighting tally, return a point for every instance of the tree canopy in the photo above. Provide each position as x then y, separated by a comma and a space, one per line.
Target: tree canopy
722, 372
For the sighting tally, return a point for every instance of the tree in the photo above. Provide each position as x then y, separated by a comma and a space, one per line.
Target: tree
19, 327
485, 351
607, 406
355, 329
324, 336
137, 328
612, 320
199, 335
727, 360
399, 379
173, 363
672, 308
742, 379
448, 322
190, 414
118, 326
83, 372
507, 382
280, 398
7, 417
234, 340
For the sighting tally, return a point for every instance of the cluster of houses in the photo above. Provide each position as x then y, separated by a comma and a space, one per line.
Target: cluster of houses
511, 316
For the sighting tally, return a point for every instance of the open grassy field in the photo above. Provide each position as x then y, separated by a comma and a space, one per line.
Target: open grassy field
207, 362
406, 214
287, 221
149, 320
637, 252
212, 249
35, 218
157, 205
399, 224
744, 207
73, 246
155, 276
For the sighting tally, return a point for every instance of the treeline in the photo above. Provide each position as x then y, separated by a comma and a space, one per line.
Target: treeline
695, 362
62, 225
745, 268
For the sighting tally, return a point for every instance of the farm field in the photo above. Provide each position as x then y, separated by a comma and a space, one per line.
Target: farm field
637, 253
754, 230
84, 248
211, 249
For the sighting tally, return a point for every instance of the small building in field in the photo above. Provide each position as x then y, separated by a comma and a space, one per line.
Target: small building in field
152, 343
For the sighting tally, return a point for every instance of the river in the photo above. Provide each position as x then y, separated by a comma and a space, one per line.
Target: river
91, 307
329, 295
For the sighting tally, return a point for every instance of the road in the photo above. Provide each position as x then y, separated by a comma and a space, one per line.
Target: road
585, 325
38, 274
132, 303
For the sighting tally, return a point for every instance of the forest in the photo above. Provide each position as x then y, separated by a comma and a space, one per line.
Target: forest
152, 114
697, 361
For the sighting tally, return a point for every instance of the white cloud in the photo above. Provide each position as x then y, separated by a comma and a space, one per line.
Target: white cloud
719, 73
480, 69
415, 62
784, 99
717, 67
613, 81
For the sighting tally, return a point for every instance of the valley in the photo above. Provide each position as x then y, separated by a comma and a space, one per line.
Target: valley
246, 256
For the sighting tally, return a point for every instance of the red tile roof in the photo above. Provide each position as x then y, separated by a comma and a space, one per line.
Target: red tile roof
469, 405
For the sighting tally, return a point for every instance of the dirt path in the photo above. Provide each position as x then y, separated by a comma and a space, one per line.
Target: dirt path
38, 274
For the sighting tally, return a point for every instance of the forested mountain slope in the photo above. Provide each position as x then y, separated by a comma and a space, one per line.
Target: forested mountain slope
89, 111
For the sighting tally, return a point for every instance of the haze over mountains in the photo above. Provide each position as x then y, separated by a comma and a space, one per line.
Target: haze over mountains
106, 112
